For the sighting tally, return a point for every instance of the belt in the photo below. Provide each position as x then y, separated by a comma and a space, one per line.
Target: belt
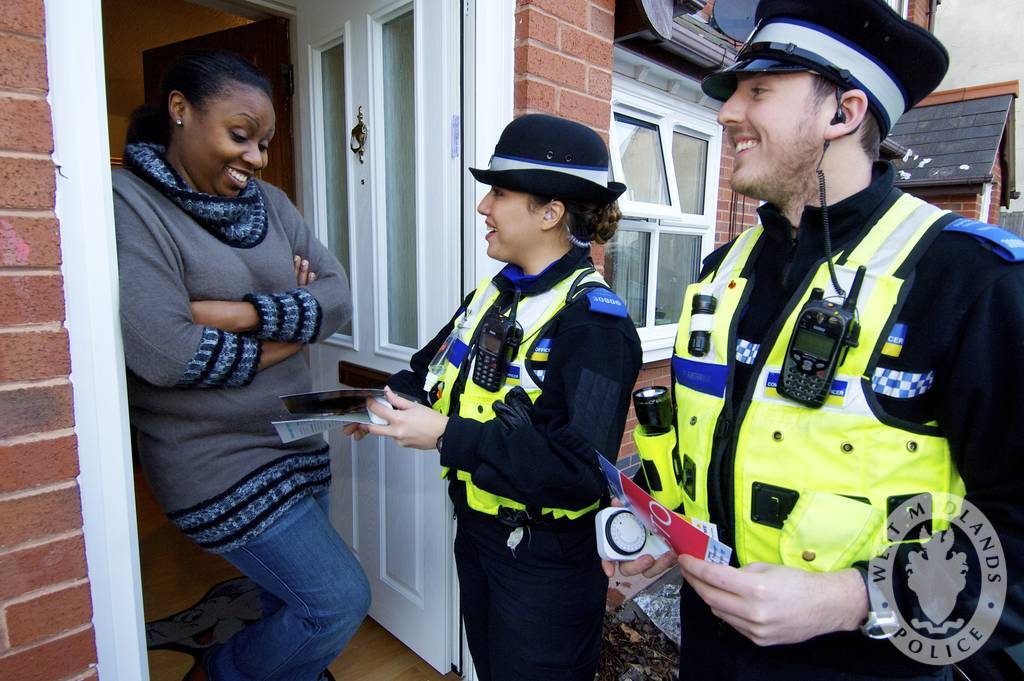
515, 517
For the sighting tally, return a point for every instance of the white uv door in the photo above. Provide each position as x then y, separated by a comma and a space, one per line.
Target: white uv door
391, 215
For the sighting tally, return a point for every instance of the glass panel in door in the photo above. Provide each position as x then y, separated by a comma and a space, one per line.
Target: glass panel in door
332, 66
400, 179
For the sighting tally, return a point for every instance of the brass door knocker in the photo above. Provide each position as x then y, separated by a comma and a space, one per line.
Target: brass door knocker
357, 141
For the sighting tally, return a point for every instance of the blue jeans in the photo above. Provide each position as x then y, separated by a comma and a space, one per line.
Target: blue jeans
315, 595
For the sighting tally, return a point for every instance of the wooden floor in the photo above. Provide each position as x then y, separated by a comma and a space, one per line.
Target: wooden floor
176, 574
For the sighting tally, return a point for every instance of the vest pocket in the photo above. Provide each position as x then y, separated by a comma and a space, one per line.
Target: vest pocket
827, 532
476, 404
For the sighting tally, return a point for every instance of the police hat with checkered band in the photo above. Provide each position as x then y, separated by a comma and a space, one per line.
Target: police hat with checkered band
551, 157
856, 44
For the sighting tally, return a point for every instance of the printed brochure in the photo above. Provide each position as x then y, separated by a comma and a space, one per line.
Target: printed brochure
694, 538
318, 412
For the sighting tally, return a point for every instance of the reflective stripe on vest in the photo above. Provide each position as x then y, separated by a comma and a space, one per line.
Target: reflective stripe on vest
811, 487
533, 314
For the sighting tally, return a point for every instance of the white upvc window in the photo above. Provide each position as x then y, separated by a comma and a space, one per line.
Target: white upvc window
900, 6
667, 151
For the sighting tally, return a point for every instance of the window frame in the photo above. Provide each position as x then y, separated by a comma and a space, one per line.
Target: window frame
670, 114
899, 6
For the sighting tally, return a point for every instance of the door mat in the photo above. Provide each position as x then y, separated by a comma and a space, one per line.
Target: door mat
224, 610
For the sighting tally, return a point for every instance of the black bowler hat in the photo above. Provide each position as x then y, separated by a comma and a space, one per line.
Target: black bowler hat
551, 157
856, 44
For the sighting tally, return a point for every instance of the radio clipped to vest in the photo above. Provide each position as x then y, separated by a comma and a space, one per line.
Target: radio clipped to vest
498, 340
824, 333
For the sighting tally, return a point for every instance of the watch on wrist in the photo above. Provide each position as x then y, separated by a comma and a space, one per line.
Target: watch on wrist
882, 621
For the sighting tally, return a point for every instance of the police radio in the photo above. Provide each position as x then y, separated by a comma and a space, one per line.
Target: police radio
824, 333
497, 341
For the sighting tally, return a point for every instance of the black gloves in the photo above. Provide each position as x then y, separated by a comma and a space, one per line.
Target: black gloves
516, 411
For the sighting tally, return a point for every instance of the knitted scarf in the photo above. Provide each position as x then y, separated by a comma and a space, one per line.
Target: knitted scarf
239, 221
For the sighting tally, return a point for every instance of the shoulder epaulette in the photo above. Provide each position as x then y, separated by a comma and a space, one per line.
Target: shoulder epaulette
1006, 245
604, 301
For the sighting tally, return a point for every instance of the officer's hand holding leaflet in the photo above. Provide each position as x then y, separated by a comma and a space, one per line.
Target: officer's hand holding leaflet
409, 423
774, 604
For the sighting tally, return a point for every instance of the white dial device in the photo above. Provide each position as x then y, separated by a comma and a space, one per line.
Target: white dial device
621, 536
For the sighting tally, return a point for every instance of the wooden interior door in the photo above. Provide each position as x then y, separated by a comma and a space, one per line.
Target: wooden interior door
265, 44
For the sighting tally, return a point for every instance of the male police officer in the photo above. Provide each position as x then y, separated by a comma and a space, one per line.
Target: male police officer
798, 434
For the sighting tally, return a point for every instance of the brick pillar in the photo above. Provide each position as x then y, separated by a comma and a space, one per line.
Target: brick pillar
563, 62
45, 607
997, 191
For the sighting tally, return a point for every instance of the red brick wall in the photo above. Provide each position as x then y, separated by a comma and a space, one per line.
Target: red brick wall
45, 609
968, 205
563, 59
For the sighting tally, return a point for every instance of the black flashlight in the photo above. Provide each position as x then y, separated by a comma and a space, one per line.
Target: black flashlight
653, 409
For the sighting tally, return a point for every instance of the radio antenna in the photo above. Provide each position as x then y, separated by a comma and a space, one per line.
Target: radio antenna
851, 300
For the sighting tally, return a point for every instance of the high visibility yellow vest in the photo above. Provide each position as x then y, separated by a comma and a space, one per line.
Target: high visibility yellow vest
534, 314
811, 488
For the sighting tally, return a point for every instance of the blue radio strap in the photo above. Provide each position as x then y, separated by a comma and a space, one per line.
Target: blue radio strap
1006, 245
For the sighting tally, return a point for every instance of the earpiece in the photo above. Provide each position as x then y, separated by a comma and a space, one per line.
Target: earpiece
547, 215
840, 116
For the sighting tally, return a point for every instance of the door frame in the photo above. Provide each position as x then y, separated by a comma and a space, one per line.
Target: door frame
77, 96
488, 106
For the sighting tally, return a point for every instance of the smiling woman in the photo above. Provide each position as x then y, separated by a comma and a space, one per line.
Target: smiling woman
226, 142
222, 285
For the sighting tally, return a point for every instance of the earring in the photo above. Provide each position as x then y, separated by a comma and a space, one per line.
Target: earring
179, 123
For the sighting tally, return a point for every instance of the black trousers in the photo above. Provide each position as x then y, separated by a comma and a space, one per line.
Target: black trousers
535, 613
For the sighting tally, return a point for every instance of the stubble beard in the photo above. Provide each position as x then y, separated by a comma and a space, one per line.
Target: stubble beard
791, 180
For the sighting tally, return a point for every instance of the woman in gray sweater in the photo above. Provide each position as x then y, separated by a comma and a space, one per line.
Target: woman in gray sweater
213, 323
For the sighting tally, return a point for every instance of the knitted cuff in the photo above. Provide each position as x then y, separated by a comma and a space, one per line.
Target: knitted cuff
289, 317
222, 359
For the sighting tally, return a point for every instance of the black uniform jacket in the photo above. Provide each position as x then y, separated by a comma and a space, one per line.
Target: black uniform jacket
592, 366
964, 321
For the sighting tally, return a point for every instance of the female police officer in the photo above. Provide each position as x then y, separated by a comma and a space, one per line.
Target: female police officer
548, 336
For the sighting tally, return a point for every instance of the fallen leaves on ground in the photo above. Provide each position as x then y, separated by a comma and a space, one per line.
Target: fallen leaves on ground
635, 650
